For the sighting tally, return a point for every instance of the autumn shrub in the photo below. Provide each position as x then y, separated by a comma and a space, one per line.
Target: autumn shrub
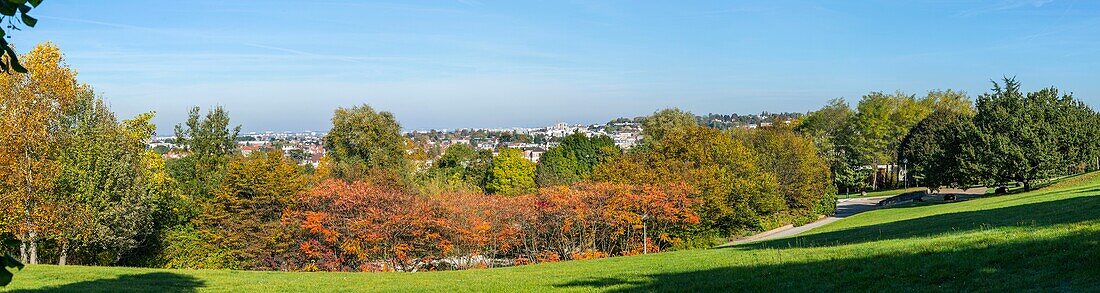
359, 226
353, 226
483, 227
587, 254
608, 217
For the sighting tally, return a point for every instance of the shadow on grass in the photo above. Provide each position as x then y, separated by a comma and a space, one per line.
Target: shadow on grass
1046, 213
1064, 264
150, 282
908, 196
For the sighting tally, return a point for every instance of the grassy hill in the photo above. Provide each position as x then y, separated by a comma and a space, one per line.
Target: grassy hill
1045, 240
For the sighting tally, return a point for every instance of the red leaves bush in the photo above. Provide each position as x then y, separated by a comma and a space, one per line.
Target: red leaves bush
362, 227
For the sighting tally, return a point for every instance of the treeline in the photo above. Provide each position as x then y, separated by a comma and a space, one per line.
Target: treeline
944, 140
1014, 137
862, 144
722, 121
81, 187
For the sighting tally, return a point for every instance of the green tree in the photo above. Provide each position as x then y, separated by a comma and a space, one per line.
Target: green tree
573, 159
363, 141
803, 177
949, 101
1030, 137
735, 192
459, 169
938, 150
656, 126
511, 174
114, 191
830, 128
878, 127
457, 157
462, 161
161, 149
208, 142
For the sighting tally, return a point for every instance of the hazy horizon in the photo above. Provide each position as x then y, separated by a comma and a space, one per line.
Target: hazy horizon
482, 64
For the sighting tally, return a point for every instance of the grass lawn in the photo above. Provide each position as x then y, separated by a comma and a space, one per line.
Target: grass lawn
888, 192
1044, 240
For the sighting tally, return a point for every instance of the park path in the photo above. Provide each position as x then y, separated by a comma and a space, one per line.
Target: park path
846, 208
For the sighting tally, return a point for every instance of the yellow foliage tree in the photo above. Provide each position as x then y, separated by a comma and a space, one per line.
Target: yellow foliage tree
31, 109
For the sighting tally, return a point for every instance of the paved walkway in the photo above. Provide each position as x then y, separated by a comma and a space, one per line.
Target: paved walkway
845, 208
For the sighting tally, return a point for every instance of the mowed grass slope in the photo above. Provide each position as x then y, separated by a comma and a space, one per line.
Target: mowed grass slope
1047, 240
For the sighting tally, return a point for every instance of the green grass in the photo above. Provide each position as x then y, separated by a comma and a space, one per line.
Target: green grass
1045, 240
888, 192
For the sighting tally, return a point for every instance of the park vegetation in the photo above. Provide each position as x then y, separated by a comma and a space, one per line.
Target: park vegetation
81, 187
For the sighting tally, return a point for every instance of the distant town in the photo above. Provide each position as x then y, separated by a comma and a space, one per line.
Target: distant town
307, 147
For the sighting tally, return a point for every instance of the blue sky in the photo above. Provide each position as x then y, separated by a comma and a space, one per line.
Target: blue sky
286, 65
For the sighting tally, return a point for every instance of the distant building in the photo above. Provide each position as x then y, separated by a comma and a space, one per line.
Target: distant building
533, 153
248, 149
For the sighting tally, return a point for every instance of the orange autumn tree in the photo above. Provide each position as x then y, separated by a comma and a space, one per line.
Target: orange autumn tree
484, 229
590, 220
362, 227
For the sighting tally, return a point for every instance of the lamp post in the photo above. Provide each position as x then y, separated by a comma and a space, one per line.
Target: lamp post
905, 169
645, 238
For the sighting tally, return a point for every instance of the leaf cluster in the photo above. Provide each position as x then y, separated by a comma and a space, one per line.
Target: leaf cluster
9, 10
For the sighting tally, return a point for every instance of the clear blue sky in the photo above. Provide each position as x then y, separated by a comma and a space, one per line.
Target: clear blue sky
286, 65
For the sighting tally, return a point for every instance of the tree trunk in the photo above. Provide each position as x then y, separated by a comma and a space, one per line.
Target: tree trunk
874, 175
32, 236
61, 260
33, 248
1027, 185
23, 256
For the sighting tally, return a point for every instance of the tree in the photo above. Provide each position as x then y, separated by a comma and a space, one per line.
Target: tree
949, 101
208, 143
830, 128
112, 190
881, 122
484, 228
460, 168
457, 157
827, 123
32, 106
591, 220
245, 215
9, 61
511, 174
939, 151
363, 227
1030, 137
734, 193
655, 126
573, 159
803, 177
362, 141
